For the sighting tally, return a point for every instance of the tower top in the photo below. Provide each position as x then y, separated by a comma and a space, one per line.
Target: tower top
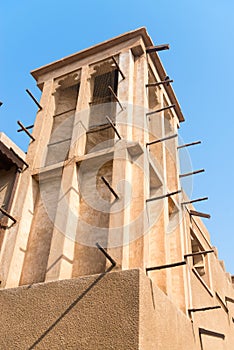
138, 39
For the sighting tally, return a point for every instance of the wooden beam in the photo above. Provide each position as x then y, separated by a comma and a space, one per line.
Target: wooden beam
211, 333
167, 82
161, 109
34, 99
157, 48
189, 144
113, 127
109, 186
160, 140
195, 200
193, 173
166, 266
26, 127
118, 67
115, 97
4, 212
25, 130
229, 299
163, 196
197, 213
112, 261
199, 253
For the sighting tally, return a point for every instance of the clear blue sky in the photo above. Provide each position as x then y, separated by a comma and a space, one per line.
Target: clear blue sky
201, 37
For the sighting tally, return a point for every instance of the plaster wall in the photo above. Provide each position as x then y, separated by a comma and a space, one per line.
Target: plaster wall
117, 310
95, 312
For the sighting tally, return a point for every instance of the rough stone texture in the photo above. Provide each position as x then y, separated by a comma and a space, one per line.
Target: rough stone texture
117, 310
96, 312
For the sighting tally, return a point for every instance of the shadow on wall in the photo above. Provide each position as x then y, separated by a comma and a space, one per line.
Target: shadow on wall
71, 307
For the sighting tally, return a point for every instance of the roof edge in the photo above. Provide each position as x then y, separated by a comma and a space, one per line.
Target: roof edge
90, 50
106, 44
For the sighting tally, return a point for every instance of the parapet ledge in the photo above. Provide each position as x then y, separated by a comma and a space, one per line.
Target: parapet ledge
11, 145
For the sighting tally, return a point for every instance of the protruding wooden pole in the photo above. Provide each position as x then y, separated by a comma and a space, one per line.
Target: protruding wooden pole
118, 67
4, 212
211, 333
189, 144
165, 266
161, 109
229, 299
199, 253
164, 82
34, 99
163, 196
113, 127
160, 140
112, 261
195, 200
109, 186
193, 173
25, 130
115, 96
197, 213
157, 48
26, 127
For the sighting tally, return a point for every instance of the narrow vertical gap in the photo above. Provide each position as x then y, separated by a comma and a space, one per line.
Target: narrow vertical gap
100, 134
65, 96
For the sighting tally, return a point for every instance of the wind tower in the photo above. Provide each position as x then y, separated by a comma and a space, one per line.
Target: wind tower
100, 190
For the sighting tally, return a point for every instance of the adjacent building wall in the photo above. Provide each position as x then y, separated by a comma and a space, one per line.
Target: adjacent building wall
116, 310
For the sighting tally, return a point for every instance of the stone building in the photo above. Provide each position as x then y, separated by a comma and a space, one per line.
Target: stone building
100, 246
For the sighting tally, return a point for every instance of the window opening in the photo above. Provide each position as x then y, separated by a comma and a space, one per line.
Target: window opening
100, 134
65, 95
